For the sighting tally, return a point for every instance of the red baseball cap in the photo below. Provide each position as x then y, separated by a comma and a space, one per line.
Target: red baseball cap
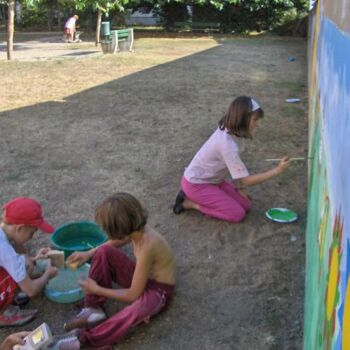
26, 211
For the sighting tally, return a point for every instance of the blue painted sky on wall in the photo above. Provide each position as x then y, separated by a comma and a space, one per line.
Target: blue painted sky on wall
334, 86
333, 73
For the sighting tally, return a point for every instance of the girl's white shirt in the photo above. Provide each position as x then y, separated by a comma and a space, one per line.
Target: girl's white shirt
216, 160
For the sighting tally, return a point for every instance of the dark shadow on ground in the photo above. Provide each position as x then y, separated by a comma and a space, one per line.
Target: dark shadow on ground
3, 47
81, 53
30, 36
239, 286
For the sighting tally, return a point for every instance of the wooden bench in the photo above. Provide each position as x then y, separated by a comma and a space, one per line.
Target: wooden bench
206, 27
122, 35
182, 25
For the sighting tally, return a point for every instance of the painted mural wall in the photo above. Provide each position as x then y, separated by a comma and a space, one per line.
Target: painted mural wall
327, 296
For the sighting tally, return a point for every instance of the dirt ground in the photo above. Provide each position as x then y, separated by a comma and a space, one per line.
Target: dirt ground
75, 130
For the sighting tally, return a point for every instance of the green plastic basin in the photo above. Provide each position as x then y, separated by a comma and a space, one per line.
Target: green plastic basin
77, 236
64, 288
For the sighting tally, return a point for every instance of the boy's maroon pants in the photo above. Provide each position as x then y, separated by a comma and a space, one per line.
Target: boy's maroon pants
109, 265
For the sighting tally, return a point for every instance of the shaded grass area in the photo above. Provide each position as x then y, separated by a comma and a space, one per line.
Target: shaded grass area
74, 131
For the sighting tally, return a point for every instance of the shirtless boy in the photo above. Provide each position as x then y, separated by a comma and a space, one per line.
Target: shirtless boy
146, 284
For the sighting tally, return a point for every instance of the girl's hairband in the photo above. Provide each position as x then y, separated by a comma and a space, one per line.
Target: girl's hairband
255, 105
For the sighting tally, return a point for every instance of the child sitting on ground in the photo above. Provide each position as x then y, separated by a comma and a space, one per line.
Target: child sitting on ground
146, 284
21, 218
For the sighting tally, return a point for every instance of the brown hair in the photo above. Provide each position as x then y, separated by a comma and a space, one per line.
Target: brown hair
120, 215
238, 117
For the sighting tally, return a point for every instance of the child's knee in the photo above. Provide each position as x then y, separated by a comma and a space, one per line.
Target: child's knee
107, 252
248, 206
236, 215
103, 250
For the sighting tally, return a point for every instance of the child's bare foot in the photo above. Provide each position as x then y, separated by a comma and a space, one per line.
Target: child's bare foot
188, 204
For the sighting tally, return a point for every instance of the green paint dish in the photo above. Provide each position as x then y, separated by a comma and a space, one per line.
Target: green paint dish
283, 215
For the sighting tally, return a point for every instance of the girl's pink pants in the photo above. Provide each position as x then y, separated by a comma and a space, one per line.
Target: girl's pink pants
221, 201
109, 265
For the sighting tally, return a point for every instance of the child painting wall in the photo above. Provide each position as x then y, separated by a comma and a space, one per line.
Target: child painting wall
327, 295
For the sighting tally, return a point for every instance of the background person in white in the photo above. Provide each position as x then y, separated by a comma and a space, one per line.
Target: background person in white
69, 28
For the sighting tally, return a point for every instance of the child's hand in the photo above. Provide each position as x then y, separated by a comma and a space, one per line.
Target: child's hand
78, 258
51, 270
41, 254
283, 164
30, 264
89, 286
15, 339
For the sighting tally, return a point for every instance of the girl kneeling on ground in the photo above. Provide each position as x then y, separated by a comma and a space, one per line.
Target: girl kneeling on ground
204, 185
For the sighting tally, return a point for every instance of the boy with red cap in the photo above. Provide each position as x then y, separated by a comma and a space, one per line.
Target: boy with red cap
21, 218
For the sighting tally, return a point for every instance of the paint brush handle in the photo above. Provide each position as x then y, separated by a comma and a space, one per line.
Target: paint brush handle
279, 159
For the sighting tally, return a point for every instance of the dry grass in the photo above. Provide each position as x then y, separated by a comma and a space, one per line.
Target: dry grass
132, 122
27, 83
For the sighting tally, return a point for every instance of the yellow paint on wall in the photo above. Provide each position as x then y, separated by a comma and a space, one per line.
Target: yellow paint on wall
346, 319
332, 283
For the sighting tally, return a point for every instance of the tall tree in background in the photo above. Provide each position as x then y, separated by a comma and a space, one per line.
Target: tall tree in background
101, 7
10, 27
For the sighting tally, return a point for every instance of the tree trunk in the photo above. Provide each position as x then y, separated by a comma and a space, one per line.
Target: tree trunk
98, 26
49, 16
10, 28
59, 16
18, 12
3, 14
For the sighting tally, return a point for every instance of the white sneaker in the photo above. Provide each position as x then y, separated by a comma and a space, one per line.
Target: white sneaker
87, 317
14, 316
67, 342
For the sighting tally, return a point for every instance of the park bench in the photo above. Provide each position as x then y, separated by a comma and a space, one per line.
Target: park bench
122, 36
206, 27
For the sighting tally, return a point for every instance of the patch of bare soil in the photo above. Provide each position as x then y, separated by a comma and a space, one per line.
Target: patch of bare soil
133, 123
36, 47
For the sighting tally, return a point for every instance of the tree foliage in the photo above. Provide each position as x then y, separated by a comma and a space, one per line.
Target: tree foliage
103, 5
234, 15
